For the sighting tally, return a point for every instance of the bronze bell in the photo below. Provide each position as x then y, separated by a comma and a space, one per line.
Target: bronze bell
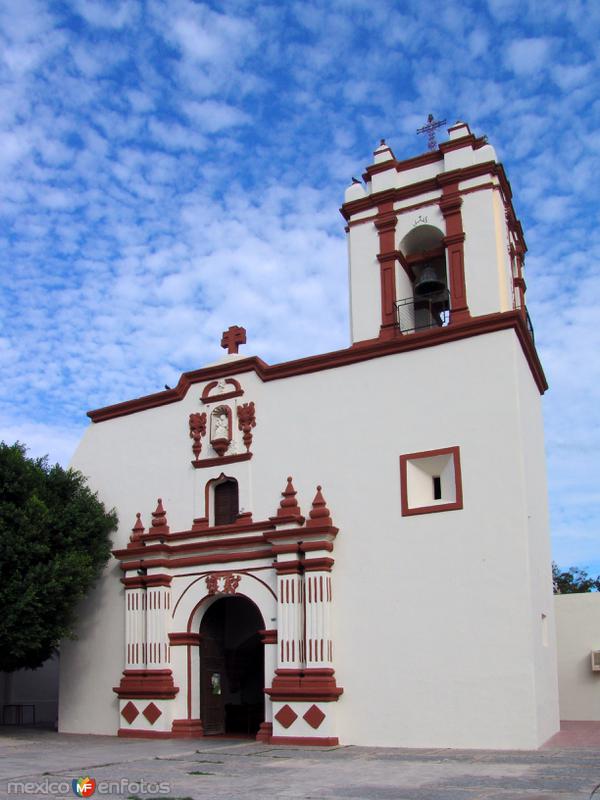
428, 283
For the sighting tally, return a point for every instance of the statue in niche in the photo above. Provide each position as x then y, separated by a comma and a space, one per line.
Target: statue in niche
221, 426
220, 429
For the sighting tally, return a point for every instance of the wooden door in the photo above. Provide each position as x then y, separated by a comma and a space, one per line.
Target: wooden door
212, 681
226, 502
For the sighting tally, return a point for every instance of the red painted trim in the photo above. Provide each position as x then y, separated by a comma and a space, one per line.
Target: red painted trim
143, 581
265, 732
407, 511
130, 733
154, 549
422, 160
237, 528
206, 396
450, 206
386, 228
215, 462
268, 636
288, 567
146, 684
196, 561
184, 638
361, 351
306, 741
318, 564
426, 186
308, 685
187, 729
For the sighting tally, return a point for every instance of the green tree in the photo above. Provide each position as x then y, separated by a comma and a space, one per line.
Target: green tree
573, 580
54, 542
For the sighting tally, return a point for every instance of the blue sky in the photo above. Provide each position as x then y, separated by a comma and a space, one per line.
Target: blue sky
169, 168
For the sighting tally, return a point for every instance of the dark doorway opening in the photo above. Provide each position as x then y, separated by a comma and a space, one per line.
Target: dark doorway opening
231, 668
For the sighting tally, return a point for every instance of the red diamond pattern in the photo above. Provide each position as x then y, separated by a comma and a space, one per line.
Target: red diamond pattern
152, 713
130, 712
314, 716
286, 716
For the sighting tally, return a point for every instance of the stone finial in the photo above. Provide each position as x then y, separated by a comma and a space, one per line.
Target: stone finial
159, 519
138, 529
319, 513
288, 507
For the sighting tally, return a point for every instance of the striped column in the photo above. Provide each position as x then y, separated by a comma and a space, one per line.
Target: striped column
135, 628
290, 615
158, 601
317, 586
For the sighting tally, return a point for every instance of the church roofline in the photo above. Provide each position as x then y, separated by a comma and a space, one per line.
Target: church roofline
430, 157
360, 351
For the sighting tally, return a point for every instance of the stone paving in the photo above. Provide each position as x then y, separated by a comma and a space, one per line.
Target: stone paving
229, 769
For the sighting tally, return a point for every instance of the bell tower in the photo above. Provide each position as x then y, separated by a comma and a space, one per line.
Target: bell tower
433, 240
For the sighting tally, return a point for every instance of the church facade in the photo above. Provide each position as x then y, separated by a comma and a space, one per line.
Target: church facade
351, 547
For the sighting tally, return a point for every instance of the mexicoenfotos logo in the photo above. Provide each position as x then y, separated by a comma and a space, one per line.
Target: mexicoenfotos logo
83, 787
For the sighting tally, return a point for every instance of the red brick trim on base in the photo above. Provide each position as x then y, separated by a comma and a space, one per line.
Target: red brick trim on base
142, 684
130, 733
187, 729
265, 732
309, 741
308, 685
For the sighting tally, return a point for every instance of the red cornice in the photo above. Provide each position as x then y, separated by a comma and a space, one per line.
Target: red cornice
216, 530
401, 166
424, 186
361, 351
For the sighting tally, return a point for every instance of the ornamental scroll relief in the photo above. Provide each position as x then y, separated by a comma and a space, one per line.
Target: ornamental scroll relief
222, 584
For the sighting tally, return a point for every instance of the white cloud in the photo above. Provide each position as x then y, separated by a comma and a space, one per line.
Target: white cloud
528, 56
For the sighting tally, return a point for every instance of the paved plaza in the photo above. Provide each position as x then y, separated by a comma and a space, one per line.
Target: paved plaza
228, 769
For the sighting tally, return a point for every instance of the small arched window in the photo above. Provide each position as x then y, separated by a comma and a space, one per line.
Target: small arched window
226, 502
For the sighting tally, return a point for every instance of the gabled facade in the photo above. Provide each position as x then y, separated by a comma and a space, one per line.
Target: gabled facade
353, 546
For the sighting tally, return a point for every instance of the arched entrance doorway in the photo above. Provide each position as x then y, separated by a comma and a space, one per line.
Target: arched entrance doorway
231, 667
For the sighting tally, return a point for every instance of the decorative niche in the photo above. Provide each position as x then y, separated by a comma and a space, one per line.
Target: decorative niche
431, 481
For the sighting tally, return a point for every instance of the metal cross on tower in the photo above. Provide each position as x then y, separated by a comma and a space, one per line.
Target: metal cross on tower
233, 338
429, 129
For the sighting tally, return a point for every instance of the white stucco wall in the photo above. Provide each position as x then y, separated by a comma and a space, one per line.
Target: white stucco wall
578, 633
433, 614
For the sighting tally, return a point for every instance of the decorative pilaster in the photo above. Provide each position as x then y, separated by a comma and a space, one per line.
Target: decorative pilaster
146, 690
304, 687
135, 627
450, 206
269, 641
386, 227
185, 661
158, 600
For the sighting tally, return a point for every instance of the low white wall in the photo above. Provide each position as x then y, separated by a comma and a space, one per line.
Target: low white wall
577, 634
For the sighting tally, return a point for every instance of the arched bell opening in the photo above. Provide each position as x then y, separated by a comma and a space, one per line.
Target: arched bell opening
423, 256
232, 699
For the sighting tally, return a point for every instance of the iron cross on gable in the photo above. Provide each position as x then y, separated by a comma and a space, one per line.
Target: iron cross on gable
430, 129
233, 338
